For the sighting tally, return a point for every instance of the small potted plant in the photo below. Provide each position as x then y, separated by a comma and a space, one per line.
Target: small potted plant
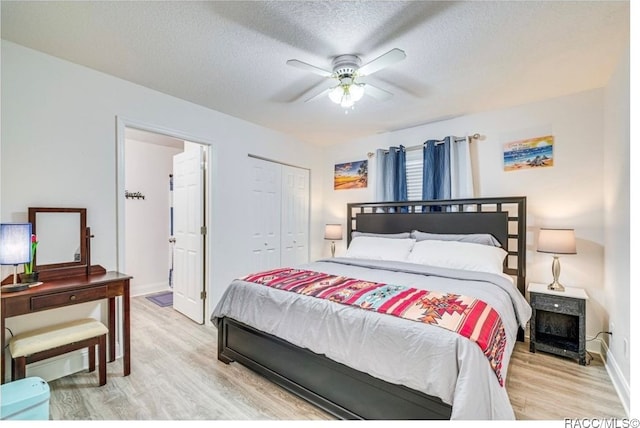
29, 275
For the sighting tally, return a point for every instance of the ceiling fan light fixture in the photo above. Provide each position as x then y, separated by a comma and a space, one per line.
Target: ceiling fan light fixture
346, 95
357, 91
336, 94
347, 100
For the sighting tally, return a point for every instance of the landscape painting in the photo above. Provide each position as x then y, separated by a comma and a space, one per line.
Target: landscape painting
529, 153
350, 175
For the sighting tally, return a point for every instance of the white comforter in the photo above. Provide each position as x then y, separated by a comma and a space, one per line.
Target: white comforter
420, 356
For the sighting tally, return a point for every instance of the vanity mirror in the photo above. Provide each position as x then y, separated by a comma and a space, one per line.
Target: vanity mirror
62, 237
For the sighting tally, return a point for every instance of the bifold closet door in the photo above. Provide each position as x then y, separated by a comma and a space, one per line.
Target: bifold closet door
265, 206
279, 225
295, 216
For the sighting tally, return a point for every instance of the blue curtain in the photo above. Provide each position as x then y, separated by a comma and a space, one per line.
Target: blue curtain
380, 174
391, 170
400, 182
436, 172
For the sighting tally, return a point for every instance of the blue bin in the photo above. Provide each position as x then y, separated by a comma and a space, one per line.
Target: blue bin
25, 399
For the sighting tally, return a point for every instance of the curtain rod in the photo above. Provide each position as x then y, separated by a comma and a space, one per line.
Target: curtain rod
473, 137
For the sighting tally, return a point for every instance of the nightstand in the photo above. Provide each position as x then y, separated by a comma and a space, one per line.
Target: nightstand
558, 321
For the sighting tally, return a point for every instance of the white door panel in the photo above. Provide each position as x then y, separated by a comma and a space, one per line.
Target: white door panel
295, 216
188, 193
280, 215
265, 213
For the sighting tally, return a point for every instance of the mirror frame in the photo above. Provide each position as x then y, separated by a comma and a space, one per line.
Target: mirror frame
83, 236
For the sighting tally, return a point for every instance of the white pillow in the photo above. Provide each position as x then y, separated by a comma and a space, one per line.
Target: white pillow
377, 248
458, 255
477, 238
400, 235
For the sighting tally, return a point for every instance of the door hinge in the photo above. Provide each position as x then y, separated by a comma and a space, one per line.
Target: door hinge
203, 230
203, 295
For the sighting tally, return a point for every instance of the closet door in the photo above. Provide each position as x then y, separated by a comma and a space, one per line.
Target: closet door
295, 216
265, 205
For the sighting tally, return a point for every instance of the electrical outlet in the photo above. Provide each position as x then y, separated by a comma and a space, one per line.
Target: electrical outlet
612, 327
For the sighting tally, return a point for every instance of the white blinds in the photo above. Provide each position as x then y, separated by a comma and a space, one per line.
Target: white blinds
414, 175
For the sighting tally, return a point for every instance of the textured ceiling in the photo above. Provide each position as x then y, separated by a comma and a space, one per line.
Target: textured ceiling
462, 57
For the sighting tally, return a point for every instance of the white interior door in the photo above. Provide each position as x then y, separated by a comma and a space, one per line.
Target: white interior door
295, 216
189, 234
265, 215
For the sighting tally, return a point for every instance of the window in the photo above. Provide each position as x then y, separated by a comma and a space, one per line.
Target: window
414, 174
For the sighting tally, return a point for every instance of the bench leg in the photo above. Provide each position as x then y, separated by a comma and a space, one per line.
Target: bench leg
18, 368
102, 359
92, 358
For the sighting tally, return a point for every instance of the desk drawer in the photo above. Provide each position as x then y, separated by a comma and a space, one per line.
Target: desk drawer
56, 300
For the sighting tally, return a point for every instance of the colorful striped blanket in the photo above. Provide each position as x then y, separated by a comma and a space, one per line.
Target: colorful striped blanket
467, 316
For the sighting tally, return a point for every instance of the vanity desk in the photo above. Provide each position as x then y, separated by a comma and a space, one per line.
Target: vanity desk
67, 277
72, 291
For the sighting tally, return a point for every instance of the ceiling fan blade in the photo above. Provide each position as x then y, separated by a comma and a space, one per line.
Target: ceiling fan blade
384, 60
377, 93
308, 67
322, 94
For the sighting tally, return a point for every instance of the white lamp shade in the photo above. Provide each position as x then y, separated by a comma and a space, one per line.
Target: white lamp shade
357, 91
346, 94
336, 94
347, 101
15, 243
333, 232
557, 241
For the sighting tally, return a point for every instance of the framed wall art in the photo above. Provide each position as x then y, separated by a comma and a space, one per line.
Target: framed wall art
529, 153
350, 175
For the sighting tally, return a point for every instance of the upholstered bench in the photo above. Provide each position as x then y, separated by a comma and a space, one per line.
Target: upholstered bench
50, 341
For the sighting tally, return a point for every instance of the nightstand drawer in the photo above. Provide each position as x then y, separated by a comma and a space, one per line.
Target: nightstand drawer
55, 300
564, 305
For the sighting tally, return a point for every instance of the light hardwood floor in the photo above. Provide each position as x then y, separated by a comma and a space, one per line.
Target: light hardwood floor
175, 375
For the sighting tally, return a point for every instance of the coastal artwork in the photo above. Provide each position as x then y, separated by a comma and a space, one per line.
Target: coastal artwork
529, 153
350, 175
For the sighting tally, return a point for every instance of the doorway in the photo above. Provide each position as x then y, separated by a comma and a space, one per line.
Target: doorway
162, 206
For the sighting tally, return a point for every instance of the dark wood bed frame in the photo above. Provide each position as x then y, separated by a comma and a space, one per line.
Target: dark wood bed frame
350, 394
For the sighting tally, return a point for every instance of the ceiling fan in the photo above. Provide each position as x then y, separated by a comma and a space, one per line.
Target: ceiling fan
347, 69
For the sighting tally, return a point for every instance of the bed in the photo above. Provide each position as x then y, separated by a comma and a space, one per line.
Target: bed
362, 364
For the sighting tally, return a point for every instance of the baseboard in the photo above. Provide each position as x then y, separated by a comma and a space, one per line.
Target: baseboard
617, 378
143, 289
60, 366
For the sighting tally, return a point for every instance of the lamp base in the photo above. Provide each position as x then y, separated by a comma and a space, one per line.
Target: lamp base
555, 270
13, 287
555, 286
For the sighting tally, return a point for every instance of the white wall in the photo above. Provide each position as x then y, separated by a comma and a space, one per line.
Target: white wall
617, 159
60, 120
147, 221
569, 194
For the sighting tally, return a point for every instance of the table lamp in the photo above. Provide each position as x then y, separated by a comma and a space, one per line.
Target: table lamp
556, 241
15, 247
334, 233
